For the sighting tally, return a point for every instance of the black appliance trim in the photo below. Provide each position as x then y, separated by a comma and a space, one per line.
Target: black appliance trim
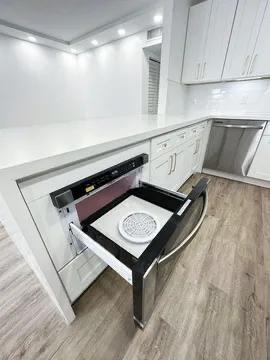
85, 186
154, 250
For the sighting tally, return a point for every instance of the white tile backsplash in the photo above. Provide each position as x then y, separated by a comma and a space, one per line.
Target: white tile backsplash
239, 97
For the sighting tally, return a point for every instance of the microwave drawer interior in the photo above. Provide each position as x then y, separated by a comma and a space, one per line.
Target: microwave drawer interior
102, 227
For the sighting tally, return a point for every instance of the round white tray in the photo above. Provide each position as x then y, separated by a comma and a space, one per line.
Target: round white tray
139, 227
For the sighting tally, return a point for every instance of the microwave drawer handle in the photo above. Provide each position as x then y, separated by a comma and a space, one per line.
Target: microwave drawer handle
190, 235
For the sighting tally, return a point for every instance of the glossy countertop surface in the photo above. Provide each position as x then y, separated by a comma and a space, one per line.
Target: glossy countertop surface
26, 151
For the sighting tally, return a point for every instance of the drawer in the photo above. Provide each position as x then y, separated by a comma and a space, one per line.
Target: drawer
181, 136
195, 130
80, 273
203, 126
161, 144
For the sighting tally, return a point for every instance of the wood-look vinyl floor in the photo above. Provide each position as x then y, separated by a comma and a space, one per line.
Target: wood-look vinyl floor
216, 306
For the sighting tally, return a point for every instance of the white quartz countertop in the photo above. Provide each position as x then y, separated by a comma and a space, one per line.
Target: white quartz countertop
26, 151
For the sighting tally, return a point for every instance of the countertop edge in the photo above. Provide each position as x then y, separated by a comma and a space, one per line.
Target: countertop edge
36, 167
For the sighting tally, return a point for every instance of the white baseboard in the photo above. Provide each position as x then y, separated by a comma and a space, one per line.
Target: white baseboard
244, 179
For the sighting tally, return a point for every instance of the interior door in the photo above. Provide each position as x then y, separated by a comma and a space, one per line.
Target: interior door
260, 64
218, 36
198, 23
245, 31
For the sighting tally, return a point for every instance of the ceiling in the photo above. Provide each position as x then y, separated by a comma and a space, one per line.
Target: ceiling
67, 20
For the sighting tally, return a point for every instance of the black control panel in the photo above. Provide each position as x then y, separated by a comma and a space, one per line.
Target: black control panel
86, 186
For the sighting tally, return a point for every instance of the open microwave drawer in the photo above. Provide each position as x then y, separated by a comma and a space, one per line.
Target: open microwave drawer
145, 265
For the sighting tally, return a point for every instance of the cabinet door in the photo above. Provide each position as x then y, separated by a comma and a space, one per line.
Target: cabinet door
218, 36
199, 16
80, 273
260, 167
197, 154
246, 28
183, 164
260, 64
161, 170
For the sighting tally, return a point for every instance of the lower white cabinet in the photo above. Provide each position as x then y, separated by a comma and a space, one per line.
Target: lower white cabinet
184, 157
260, 167
80, 273
161, 170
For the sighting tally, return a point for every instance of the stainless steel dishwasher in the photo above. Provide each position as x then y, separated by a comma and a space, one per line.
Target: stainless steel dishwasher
232, 145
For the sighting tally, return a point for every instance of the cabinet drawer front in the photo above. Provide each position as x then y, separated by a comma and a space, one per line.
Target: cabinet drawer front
181, 136
161, 144
80, 273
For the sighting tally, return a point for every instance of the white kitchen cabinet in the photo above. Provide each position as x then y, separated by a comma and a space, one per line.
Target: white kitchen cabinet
199, 16
171, 170
218, 36
248, 19
210, 25
197, 154
183, 157
202, 146
260, 64
260, 167
80, 273
161, 170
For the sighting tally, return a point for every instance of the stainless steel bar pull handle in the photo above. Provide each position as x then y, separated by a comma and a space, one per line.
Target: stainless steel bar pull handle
171, 163
245, 65
175, 159
203, 73
252, 66
238, 126
198, 70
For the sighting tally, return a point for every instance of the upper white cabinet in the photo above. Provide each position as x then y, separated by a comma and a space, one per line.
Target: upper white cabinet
248, 20
199, 16
241, 58
208, 34
260, 64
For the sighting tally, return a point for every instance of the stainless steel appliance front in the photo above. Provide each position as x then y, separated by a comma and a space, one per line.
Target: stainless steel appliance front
232, 145
91, 199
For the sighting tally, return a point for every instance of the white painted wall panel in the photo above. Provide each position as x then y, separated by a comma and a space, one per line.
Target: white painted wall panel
40, 84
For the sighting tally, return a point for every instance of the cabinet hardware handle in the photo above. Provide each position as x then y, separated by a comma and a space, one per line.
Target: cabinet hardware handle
198, 70
174, 162
171, 162
203, 73
197, 147
245, 65
253, 64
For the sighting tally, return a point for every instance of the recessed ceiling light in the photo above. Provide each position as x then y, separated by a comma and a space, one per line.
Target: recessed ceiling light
121, 32
94, 42
74, 51
32, 38
158, 19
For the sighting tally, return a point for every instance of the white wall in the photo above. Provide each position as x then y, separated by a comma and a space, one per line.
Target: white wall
111, 77
239, 97
40, 84
172, 92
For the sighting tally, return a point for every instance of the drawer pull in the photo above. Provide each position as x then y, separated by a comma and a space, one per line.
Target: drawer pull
171, 163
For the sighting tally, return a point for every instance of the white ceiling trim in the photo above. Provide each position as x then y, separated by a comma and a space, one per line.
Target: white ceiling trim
132, 23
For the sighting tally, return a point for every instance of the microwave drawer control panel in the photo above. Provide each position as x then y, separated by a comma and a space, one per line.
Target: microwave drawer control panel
68, 194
